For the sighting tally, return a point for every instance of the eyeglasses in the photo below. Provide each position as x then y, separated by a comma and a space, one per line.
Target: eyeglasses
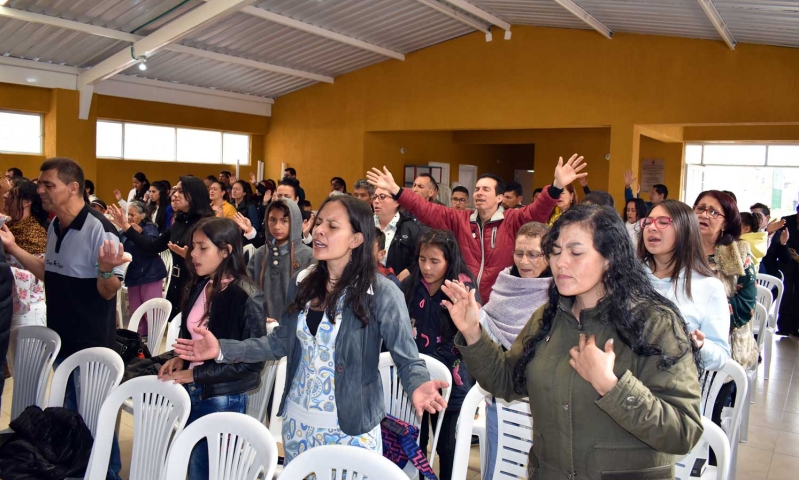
380, 196
711, 212
459, 200
531, 255
661, 223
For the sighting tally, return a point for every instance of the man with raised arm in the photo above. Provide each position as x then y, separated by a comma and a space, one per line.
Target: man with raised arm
486, 234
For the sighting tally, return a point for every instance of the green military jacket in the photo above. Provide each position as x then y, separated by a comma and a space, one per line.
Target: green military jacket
632, 433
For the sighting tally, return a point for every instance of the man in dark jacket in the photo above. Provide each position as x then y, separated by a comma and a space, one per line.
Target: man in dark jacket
6, 310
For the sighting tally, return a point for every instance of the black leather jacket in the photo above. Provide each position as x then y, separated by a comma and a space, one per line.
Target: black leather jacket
402, 251
237, 313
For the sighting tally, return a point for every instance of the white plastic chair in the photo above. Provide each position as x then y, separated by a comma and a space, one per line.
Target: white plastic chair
760, 319
514, 439
770, 282
239, 448
399, 405
716, 439
276, 421
173, 332
479, 430
166, 257
258, 399
159, 409
122, 297
157, 311
249, 251
33, 350
334, 462
100, 371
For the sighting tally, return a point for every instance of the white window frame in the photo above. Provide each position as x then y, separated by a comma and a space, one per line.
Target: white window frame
41, 133
175, 154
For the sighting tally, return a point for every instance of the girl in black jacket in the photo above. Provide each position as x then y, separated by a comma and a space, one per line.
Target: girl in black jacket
222, 299
438, 258
191, 203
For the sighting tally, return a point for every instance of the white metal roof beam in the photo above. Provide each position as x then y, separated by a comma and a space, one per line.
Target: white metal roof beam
482, 15
129, 37
157, 40
586, 17
718, 22
455, 14
322, 32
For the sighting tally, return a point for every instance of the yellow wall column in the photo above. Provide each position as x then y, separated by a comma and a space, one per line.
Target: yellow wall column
625, 143
67, 136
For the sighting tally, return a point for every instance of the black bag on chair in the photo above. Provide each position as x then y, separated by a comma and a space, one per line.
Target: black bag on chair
130, 346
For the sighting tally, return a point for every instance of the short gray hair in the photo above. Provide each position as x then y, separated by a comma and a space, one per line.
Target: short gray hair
364, 184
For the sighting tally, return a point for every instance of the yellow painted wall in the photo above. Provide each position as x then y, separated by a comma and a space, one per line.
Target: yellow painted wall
542, 78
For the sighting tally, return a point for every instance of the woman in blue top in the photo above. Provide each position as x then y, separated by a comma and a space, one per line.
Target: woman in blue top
438, 258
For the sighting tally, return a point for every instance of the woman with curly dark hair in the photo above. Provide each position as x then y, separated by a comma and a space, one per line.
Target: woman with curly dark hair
608, 364
28, 219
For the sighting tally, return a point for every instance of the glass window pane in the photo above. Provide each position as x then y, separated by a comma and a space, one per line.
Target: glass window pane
20, 132
236, 147
149, 142
735, 155
783, 155
693, 154
199, 146
109, 139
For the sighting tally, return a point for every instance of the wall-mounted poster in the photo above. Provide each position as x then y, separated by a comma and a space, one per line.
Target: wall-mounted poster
413, 171
652, 173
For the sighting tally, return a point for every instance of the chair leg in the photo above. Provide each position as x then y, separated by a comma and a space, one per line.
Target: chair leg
744, 434
768, 345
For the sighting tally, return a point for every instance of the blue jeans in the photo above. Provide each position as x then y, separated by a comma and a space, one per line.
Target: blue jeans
492, 437
71, 403
237, 402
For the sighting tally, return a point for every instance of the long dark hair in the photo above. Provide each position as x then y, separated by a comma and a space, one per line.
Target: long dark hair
456, 268
222, 187
245, 201
159, 207
222, 232
640, 209
732, 230
629, 295
688, 256
359, 274
196, 194
26, 191
341, 182
142, 178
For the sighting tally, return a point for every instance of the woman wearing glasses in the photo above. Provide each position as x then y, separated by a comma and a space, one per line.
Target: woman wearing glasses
678, 269
402, 231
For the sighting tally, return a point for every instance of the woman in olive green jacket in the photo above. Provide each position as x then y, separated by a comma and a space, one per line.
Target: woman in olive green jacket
607, 364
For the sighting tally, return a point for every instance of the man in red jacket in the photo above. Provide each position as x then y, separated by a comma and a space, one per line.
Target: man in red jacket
487, 234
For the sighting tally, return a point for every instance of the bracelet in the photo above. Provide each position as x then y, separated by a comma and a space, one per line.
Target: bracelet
103, 275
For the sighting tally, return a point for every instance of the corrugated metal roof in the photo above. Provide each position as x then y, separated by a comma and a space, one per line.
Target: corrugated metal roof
772, 22
202, 72
124, 15
544, 13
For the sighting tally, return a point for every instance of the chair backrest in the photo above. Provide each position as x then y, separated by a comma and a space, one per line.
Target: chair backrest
463, 435
258, 399
397, 402
764, 297
249, 250
173, 332
760, 321
157, 311
515, 438
335, 462
166, 256
239, 448
100, 371
771, 282
276, 421
711, 385
716, 439
33, 350
160, 411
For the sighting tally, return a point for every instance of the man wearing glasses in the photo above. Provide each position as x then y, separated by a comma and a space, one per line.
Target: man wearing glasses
460, 198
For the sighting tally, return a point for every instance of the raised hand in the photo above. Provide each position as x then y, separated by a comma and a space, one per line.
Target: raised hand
205, 347
243, 222
112, 254
307, 225
118, 194
568, 172
784, 236
253, 178
463, 309
593, 364
382, 179
426, 397
775, 225
177, 249
233, 178
136, 227
584, 181
120, 219
629, 178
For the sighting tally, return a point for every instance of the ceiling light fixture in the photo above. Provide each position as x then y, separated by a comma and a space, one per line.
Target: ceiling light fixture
141, 60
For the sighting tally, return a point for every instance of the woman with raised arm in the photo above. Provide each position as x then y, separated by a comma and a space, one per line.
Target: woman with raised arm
608, 364
341, 311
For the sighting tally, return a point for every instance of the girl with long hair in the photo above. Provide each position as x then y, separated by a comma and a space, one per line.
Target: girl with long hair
340, 312
672, 252
221, 299
438, 258
634, 210
141, 186
190, 201
158, 208
241, 196
606, 362
217, 193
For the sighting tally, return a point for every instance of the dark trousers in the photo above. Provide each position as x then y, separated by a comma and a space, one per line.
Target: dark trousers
446, 440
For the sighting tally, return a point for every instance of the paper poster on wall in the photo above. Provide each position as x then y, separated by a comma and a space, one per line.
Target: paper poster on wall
652, 173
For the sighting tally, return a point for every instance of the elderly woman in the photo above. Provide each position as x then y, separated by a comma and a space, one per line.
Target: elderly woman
401, 230
607, 363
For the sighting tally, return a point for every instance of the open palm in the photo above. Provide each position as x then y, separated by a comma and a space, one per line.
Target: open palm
382, 179
427, 398
569, 172
463, 309
205, 346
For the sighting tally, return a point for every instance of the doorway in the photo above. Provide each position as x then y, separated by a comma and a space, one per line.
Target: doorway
467, 177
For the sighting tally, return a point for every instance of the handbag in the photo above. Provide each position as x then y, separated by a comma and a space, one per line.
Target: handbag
399, 445
129, 345
743, 346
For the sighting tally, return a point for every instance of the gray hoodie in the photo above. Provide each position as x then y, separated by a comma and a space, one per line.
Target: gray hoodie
272, 266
